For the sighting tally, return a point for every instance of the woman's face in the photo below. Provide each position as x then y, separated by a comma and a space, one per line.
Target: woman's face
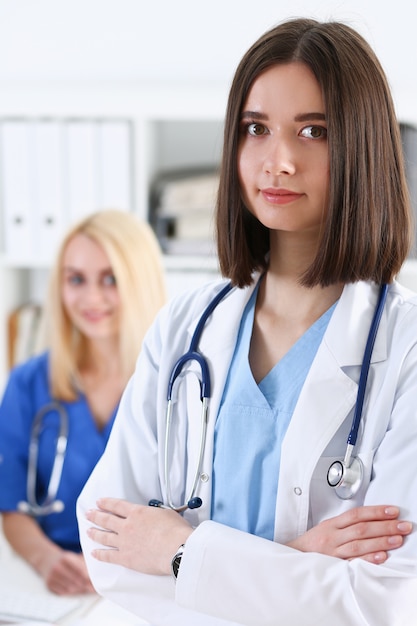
89, 291
283, 160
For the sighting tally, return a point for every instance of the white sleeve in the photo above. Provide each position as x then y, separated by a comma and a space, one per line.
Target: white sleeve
234, 575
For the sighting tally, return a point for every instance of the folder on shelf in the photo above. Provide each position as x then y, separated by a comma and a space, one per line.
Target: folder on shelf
54, 171
81, 168
99, 166
49, 199
114, 165
18, 188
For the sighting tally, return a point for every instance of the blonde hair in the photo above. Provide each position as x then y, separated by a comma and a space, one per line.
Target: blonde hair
136, 261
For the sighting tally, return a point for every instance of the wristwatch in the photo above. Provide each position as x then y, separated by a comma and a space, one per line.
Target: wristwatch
176, 562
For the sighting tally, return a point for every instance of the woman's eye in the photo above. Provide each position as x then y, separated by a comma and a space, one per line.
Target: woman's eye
109, 280
256, 129
75, 279
314, 132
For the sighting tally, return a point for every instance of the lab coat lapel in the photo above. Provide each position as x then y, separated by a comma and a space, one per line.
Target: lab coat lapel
349, 327
327, 398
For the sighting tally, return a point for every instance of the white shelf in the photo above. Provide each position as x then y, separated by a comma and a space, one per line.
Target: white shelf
176, 126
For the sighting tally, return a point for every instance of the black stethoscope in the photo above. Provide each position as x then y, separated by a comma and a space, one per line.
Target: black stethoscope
50, 503
344, 476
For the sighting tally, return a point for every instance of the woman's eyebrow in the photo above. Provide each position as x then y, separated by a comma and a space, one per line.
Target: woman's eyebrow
256, 115
300, 117
305, 117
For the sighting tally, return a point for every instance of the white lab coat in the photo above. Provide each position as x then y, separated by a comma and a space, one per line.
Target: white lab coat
228, 576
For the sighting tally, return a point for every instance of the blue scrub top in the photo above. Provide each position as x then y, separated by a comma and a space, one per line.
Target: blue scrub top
26, 392
251, 427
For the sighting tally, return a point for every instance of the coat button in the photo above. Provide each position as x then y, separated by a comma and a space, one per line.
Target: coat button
298, 491
204, 478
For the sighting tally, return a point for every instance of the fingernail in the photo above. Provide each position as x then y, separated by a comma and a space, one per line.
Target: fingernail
405, 527
395, 541
391, 510
380, 557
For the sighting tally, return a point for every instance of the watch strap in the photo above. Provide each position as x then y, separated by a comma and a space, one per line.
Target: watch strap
176, 562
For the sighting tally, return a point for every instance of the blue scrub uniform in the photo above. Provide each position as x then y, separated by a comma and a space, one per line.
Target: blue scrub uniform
251, 427
26, 392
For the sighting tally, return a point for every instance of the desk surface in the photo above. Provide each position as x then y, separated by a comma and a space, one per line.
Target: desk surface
93, 610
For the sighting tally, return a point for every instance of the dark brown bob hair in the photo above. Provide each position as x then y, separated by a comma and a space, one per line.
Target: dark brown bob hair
368, 229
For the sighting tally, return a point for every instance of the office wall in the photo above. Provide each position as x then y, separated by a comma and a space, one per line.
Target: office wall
182, 41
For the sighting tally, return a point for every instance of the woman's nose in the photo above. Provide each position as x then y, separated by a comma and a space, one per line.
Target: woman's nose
93, 292
281, 158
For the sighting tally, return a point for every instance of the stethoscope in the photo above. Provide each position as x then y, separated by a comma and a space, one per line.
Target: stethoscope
193, 501
344, 476
50, 503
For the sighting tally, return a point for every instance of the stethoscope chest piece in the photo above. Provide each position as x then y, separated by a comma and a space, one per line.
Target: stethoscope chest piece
345, 479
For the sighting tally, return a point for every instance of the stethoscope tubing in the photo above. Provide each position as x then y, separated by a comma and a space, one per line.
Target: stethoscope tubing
363, 378
50, 503
192, 355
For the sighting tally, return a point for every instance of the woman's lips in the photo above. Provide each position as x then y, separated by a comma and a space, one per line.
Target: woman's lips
280, 196
94, 316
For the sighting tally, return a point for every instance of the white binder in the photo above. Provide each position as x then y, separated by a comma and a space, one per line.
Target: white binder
18, 189
114, 165
81, 168
50, 197
53, 172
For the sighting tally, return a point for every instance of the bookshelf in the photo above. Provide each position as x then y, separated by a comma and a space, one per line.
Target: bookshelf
174, 127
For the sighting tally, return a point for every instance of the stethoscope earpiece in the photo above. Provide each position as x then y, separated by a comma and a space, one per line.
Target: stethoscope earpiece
193, 503
156, 503
57, 506
23, 507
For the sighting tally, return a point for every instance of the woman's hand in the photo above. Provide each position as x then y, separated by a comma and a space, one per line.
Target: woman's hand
142, 538
366, 532
65, 573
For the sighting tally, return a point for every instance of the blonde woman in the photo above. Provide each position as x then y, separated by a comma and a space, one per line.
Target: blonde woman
105, 288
